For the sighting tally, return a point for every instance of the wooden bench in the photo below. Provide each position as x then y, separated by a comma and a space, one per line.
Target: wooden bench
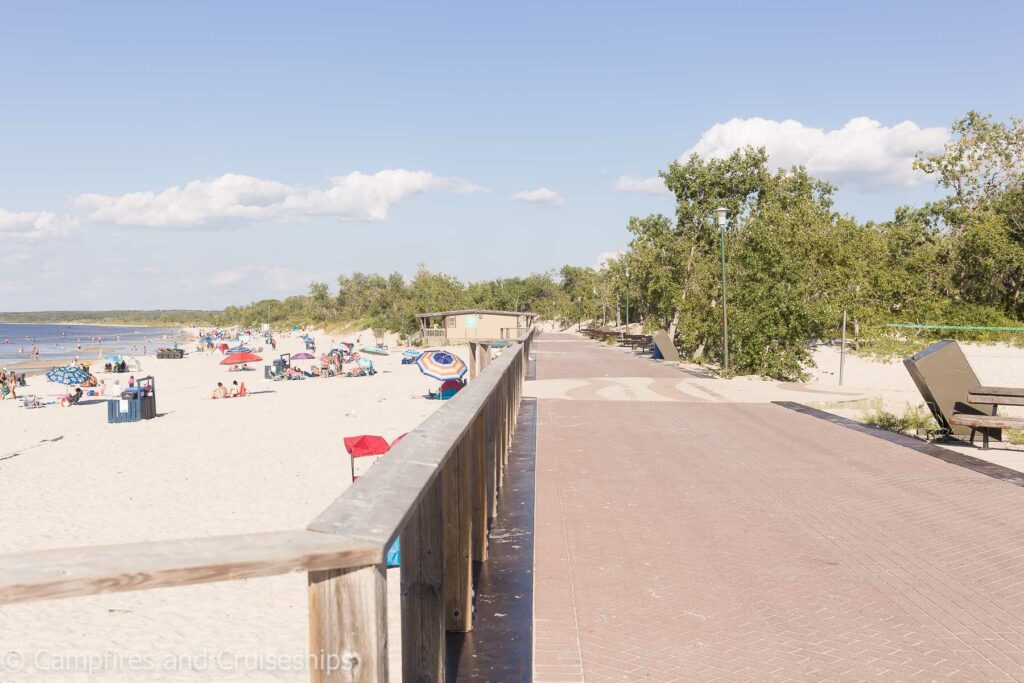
634, 341
986, 424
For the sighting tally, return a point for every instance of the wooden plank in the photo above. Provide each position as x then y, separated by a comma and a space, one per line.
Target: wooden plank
348, 625
379, 504
423, 590
990, 421
458, 541
478, 484
1002, 391
92, 570
472, 360
994, 399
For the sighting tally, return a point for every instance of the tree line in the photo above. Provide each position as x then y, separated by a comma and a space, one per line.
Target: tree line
794, 264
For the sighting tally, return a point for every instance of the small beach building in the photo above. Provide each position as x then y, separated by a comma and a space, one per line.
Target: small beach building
462, 327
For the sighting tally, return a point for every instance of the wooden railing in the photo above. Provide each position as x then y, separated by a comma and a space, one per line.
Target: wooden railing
438, 488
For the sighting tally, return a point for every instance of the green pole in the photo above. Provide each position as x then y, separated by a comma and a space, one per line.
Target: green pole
725, 314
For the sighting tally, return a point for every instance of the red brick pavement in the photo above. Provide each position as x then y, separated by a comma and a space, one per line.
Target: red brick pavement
699, 541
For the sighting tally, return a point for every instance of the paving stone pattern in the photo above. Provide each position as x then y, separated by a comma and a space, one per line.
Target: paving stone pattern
713, 541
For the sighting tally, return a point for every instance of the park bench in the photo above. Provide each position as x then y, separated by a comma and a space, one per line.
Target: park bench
990, 424
960, 404
637, 341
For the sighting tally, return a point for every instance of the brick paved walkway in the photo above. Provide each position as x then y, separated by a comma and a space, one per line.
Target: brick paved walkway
699, 541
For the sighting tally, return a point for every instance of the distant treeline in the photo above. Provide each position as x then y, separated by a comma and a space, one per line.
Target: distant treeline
169, 318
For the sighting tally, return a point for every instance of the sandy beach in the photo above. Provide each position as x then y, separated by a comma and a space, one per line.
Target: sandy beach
270, 461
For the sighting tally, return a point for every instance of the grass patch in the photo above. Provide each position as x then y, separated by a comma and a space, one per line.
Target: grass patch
1014, 436
913, 419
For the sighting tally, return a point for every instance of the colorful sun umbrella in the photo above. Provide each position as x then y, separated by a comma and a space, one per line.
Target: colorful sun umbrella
239, 358
441, 365
303, 356
67, 374
239, 349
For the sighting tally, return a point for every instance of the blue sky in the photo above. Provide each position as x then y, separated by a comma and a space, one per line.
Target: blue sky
462, 106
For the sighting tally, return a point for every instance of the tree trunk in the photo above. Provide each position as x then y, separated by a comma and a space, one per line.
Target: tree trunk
673, 325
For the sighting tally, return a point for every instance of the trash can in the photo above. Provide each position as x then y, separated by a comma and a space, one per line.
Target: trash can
135, 403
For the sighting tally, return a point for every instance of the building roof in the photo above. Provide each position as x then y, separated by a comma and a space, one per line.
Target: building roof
474, 311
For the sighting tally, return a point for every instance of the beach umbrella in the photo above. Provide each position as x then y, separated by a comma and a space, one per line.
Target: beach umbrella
223, 348
67, 374
303, 356
239, 358
239, 349
412, 353
441, 365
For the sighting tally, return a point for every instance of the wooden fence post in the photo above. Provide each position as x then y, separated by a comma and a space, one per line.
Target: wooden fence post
478, 483
456, 493
491, 464
423, 590
348, 625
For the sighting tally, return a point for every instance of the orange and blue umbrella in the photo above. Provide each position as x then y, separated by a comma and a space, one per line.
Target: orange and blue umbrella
441, 365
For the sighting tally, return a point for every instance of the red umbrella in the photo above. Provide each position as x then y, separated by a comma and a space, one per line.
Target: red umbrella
367, 444
239, 358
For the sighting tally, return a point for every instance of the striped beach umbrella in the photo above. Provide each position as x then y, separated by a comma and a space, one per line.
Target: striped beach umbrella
441, 365
67, 374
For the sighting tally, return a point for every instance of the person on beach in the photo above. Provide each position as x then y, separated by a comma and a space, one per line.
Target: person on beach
131, 381
220, 392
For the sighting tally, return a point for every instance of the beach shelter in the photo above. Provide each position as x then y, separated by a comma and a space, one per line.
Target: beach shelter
240, 358
239, 349
303, 356
441, 365
112, 358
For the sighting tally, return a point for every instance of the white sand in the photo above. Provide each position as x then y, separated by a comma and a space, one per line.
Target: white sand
267, 462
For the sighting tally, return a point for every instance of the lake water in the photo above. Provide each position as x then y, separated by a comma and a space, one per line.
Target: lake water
62, 341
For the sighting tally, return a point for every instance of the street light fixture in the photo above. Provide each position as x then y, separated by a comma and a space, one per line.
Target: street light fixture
722, 215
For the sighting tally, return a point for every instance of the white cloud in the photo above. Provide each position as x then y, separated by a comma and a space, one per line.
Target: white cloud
233, 200
651, 186
541, 195
863, 153
35, 225
606, 256
278, 278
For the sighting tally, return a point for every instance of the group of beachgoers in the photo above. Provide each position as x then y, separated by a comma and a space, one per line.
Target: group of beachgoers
237, 390
9, 382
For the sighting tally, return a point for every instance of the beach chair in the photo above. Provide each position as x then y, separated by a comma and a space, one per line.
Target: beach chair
962, 407
31, 401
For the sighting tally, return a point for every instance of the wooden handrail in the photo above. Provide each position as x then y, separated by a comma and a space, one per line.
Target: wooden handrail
440, 484
377, 506
91, 570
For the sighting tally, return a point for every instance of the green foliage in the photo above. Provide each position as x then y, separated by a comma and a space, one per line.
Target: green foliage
1014, 436
913, 418
166, 318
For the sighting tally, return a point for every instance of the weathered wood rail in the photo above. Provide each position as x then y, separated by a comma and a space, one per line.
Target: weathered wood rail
437, 488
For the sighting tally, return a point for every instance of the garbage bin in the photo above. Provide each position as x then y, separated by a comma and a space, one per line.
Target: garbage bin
135, 403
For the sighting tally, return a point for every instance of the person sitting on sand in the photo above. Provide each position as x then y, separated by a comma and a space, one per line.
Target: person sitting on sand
75, 397
234, 389
220, 392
